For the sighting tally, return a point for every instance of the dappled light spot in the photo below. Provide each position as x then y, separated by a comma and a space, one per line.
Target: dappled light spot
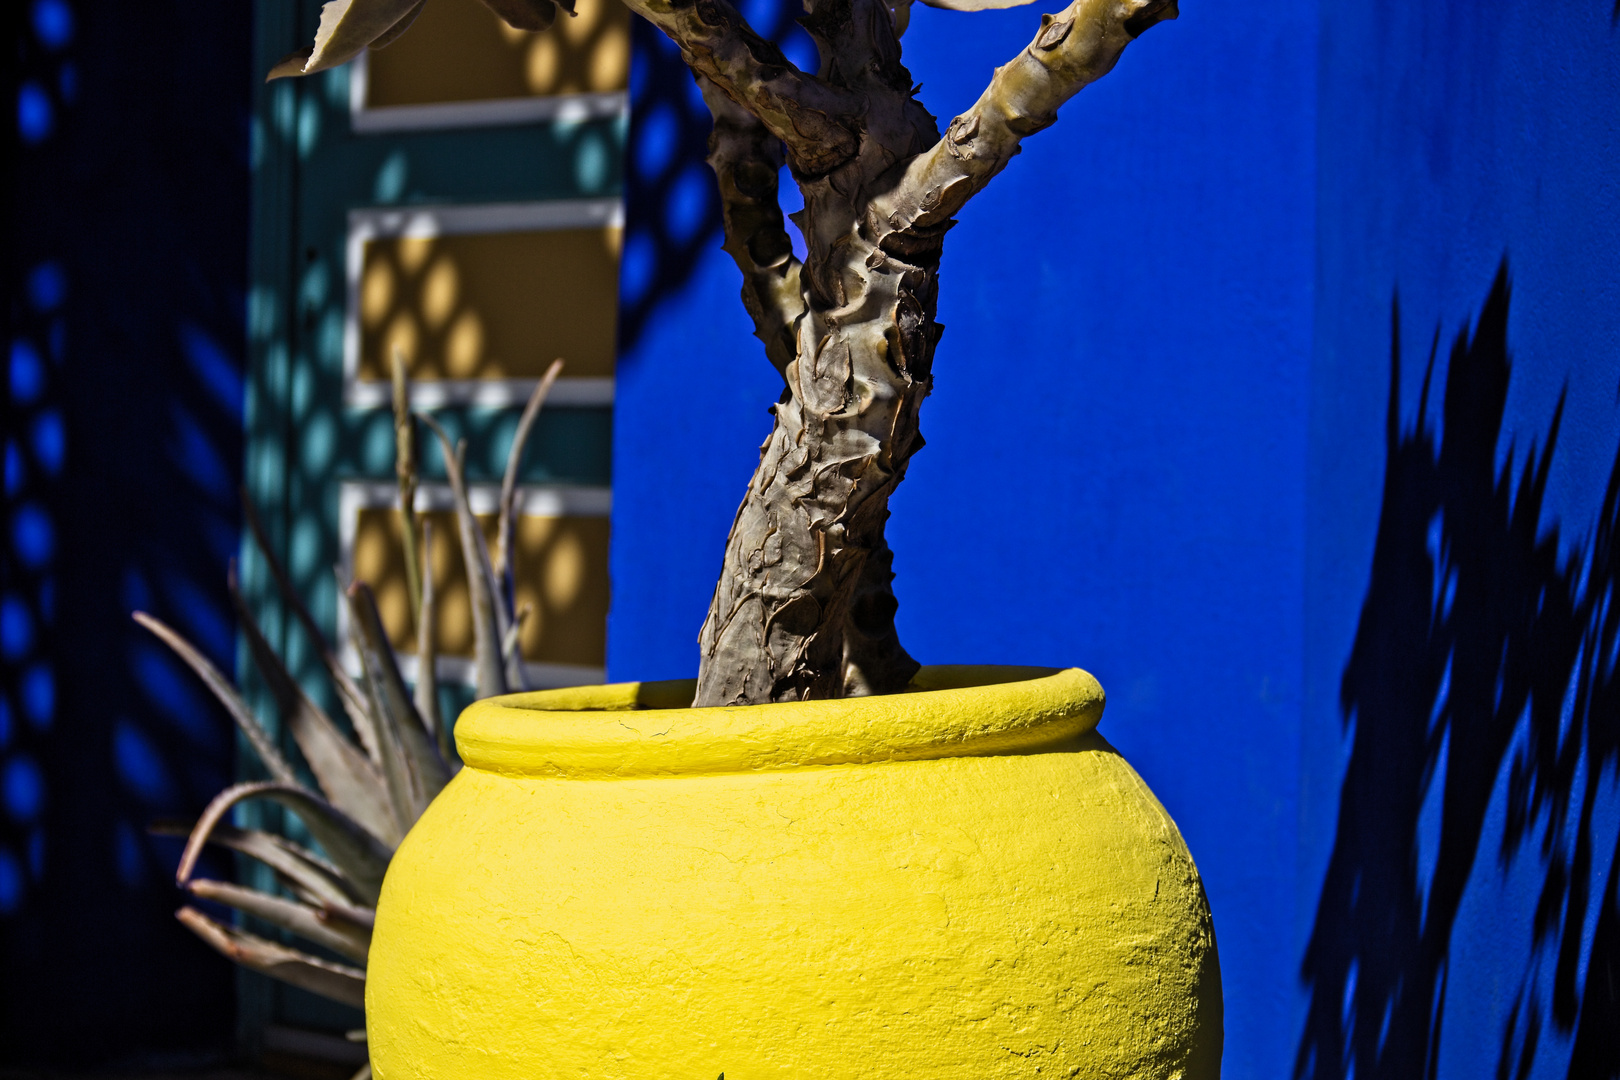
655, 139
686, 206
304, 555
22, 789
197, 456
27, 373
37, 688
36, 116
171, 689
14, 469
47, 286
138, 762
11, 882
377, 444
217, 370
593, 163
193, 611
16, 628
465, 346
389, 185
440, 290
309, 126
53, 24
639, 266
129, 858
318, 443
565, 570
376, 294
49, 440
33, 539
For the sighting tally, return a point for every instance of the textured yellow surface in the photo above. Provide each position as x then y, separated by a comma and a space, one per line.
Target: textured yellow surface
960, 883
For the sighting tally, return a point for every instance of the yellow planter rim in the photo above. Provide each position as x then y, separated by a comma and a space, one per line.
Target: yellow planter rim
628, 730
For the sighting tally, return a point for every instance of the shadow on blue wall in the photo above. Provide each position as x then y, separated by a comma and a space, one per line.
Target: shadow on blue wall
1483, 712
128, 233
673, 206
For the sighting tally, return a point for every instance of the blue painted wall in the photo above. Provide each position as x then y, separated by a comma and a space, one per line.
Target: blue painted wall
1157, 449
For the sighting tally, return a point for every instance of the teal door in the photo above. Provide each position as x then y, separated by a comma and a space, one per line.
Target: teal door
455, 197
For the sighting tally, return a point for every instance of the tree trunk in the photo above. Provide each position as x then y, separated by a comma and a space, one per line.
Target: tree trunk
804, 606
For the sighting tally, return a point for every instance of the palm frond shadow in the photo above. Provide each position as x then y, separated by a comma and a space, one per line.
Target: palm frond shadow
1482, 654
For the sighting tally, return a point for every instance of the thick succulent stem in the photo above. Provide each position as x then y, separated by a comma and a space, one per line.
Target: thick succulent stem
803, 608
1073, 49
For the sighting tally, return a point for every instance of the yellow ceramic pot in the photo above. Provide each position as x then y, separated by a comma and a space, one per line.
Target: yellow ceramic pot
958, 883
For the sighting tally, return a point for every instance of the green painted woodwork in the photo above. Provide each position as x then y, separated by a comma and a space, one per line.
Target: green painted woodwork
309, 170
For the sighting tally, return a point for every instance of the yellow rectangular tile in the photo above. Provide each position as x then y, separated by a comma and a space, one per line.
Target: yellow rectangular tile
459, 51
490, 305
562, 576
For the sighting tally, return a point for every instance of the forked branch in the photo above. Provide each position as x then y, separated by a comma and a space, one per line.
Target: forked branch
1073, 49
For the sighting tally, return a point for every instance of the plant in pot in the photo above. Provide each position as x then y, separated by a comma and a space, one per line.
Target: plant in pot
818, 857
363, 785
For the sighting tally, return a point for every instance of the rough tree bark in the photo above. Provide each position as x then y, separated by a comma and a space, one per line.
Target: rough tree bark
804, 607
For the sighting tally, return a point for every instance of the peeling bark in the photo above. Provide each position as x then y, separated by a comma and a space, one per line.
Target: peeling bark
804, 607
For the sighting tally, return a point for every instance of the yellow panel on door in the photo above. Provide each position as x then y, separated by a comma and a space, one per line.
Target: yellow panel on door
490, 305
562, 576
458, 50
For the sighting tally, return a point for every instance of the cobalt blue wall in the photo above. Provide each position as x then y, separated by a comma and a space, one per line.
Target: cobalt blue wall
1195, 270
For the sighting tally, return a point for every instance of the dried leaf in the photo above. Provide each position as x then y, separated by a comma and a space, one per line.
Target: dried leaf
349, 694
294, 865
263, 745
505, 551
342, 938
527, 14
346, 28
404, 24
505, 561
427, 657
349, 779
411, 764
405, 470
336, 981
489, 623
362, 858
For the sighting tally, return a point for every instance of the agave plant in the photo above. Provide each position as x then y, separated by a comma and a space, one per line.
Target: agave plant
356, 797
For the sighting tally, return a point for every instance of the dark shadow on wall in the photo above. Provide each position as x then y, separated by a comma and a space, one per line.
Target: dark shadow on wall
1481, 652
671, 202
123, 440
